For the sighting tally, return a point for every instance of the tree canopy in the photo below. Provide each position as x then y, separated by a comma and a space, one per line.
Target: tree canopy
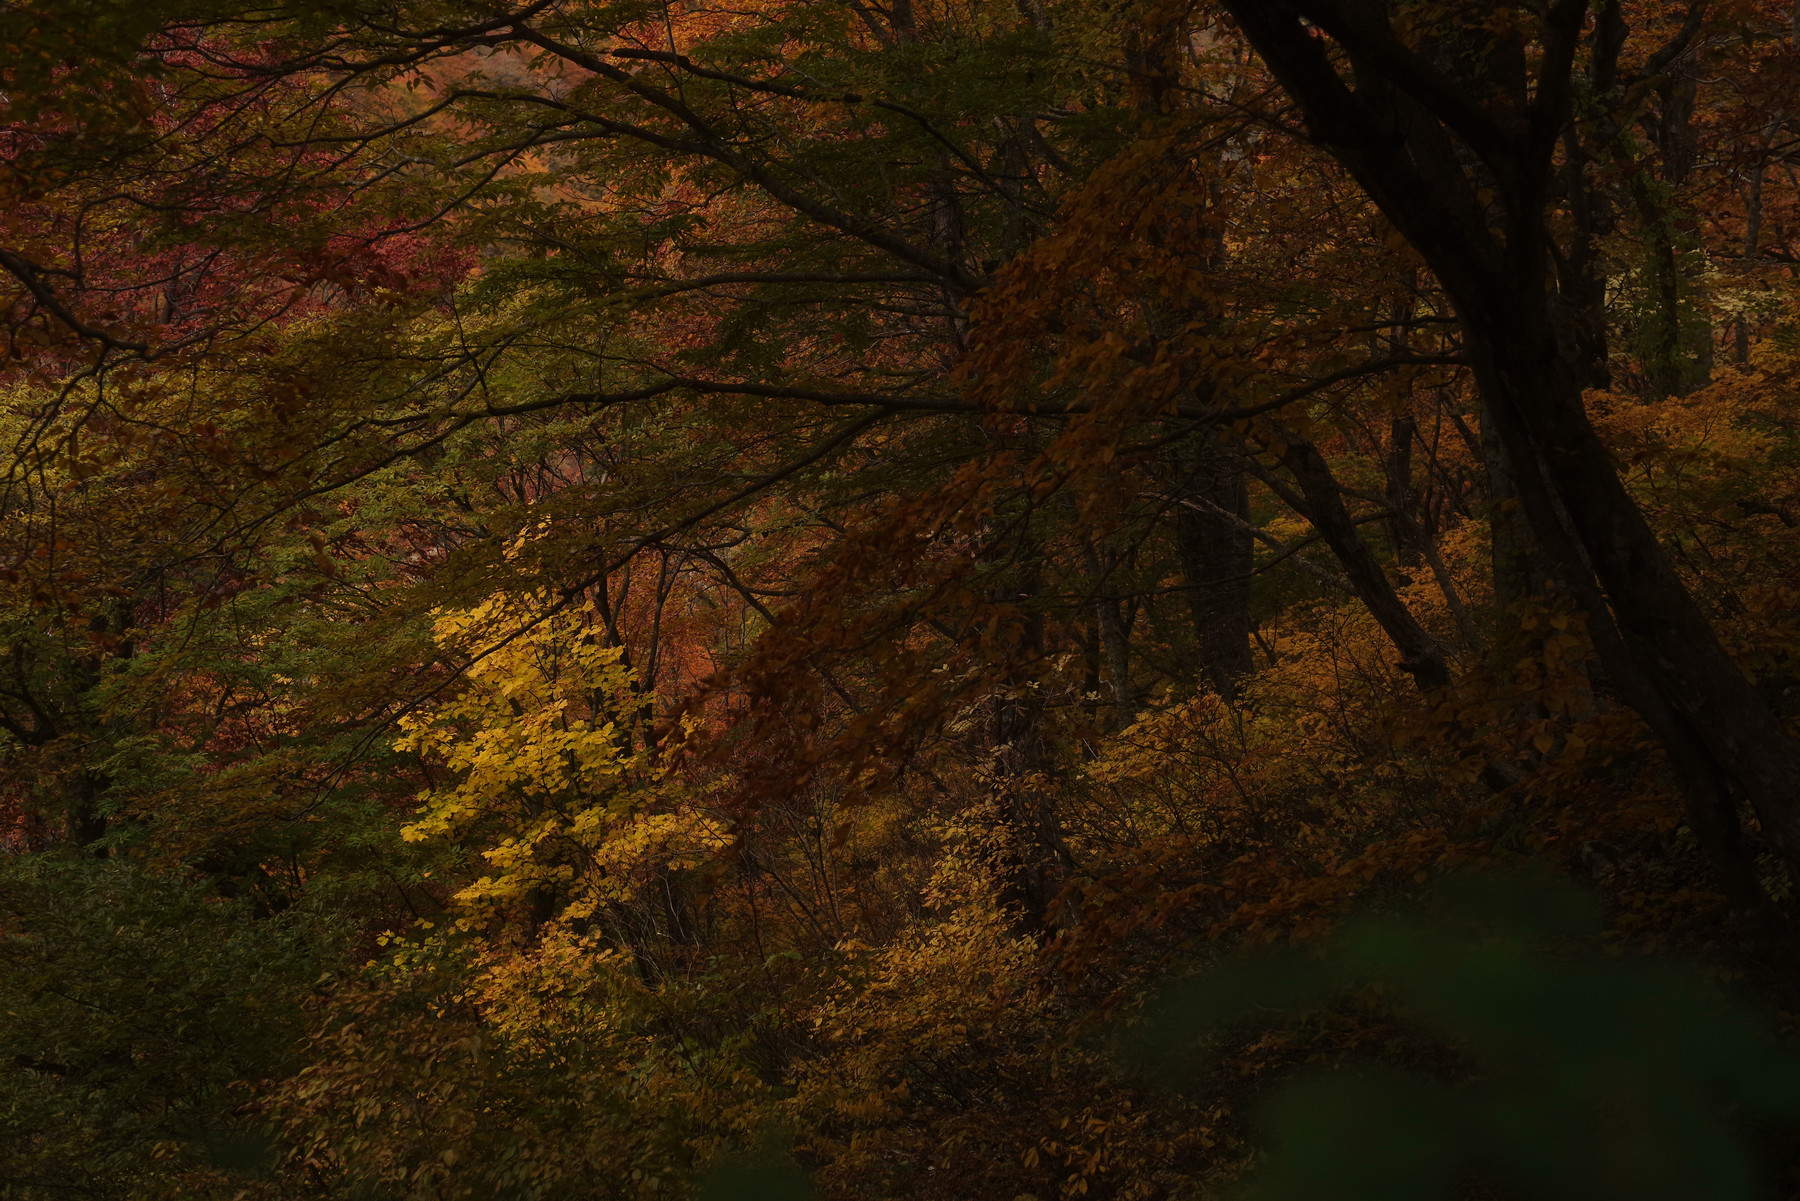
659, 598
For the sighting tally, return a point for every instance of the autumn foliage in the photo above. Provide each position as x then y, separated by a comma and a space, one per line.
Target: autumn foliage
923, 600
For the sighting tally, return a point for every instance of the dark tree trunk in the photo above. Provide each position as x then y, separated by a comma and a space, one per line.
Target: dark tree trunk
1217, 555
1400, 496
1425, 147
1115, 637
1322, 503
1520, 572
1033, 861
1753, 217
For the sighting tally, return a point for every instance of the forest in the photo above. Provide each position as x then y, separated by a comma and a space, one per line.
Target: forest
900, 599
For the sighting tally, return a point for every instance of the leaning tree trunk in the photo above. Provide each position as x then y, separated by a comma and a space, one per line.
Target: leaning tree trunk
1465, 176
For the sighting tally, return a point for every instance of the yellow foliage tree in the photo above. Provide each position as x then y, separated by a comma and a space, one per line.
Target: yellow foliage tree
550, 784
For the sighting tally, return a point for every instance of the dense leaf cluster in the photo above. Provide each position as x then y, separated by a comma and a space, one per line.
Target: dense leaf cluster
647, 598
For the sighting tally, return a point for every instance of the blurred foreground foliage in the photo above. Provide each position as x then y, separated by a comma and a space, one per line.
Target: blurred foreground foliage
1563, 1071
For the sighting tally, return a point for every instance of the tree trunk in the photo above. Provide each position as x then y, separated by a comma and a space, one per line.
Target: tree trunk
1217, 556
1667, 640
1520, 572
1753, 217
1425, 149
1115, 639
1034, 860
1400, 498
1421, 655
